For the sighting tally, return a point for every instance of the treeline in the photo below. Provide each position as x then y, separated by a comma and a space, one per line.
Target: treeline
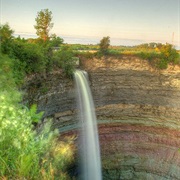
35, 55
159, 55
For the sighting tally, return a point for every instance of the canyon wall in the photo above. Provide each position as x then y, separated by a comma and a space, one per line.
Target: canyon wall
138, 110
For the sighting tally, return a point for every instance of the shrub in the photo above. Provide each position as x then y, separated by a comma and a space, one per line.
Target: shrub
114, 52
7, 75
31, 55
11, 72
162, 63
55, 41
149, 56
64, 58
169, 53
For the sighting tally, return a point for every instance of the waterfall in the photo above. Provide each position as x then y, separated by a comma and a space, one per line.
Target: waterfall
91, 162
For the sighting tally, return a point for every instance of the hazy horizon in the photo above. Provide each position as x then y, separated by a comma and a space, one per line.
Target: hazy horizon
124, 21
88, 40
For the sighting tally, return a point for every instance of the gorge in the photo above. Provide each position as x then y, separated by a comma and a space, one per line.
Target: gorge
138, 110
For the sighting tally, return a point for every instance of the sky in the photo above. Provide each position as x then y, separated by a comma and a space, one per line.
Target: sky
125, 21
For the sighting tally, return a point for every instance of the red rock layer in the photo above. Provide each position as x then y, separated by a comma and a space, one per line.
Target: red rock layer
138, 151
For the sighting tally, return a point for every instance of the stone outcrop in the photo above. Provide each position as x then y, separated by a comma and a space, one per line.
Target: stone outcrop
138, 110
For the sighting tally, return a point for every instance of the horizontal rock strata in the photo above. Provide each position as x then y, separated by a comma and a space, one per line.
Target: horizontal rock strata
138, 110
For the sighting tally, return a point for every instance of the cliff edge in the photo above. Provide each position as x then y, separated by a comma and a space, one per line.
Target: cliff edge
138, 110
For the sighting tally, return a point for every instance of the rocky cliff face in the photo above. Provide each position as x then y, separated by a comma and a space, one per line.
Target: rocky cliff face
138, 110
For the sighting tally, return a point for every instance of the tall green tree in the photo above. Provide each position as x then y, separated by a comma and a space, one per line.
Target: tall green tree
5, 32
104, 44
6, 36
43, 24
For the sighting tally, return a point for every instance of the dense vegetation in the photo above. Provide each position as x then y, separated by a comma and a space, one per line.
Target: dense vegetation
26, 153
46, 53
35, 55
159, 55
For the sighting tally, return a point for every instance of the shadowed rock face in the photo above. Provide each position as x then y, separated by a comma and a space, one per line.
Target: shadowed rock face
138, 110
140, 152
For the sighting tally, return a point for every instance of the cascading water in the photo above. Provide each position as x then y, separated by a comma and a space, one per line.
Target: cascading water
91, 162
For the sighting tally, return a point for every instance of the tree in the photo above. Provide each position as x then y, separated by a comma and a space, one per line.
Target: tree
55, 41
6, 36
5, 32
104, 44
43, 24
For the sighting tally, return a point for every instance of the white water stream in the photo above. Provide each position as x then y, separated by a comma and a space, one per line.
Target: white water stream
91, 161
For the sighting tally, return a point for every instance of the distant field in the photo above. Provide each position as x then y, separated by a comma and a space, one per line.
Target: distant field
115, 50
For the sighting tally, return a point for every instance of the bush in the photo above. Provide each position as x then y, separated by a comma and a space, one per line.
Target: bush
169, 53
114, 52
7, 76
31, 55
64, 58
149, 56
162, 63
11, 72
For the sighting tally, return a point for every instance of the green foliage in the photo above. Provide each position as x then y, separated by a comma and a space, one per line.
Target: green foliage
104, 44
5, 32
6, 36
55, 41
162, 63
164, 54
24, 153
43, 24
34, 115
29, 55
151, 45
8, 76
148, 55
83, 47
169, 53
64, 58
115, 53
18, 71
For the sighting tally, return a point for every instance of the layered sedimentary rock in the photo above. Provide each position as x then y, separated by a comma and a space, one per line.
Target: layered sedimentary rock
139, 114
138, 110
